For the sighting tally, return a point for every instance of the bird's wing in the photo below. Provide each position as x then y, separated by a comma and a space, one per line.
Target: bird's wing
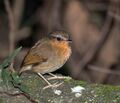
33, 59
35, 55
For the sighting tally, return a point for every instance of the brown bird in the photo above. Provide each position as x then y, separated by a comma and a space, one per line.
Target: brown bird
48, 54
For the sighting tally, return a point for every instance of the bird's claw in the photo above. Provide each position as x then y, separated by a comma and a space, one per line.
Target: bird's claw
55, 85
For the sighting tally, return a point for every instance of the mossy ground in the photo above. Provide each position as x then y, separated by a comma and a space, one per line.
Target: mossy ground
92, 93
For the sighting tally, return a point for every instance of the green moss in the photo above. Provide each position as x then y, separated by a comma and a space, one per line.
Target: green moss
105, 89
81, 83
67, 79
1, 100
32, 82
75, 82
107, 93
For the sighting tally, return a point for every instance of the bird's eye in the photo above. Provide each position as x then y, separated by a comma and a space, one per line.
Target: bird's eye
58, 38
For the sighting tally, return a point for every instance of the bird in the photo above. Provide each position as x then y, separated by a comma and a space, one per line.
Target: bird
48, 54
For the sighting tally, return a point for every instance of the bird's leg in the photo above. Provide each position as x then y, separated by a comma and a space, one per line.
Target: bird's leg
49, 84
55, 77
44, 79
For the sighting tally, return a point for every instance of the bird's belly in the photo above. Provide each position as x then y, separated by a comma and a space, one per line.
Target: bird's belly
48, 67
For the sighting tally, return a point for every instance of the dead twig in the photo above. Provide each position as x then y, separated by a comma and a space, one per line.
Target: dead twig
103, 70
54, 21
18, 9
11, 26
91, 54
96, 6
14, 18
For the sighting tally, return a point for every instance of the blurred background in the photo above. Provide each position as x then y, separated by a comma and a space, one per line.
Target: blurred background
94, 26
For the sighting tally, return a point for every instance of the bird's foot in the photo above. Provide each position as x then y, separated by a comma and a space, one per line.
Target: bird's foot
49, 84
55, 85
56, 77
